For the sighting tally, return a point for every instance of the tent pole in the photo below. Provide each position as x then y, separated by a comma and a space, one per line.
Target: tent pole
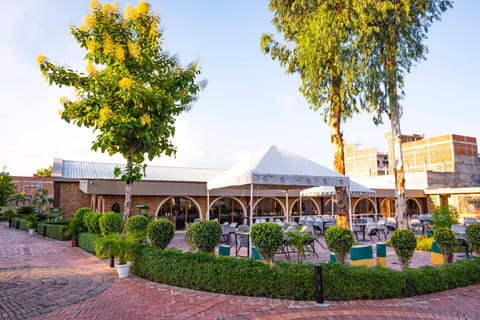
287, 213
349, 208
208, 206
251, 219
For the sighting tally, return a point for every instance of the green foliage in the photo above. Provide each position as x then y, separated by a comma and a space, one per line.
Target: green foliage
94, 222
424, 243
31, 221
339, 240
160, 232
58, 231
8, 213
133, 90
299, 239
268, 238
446, 240
86, 241
86, 220
44, 172
206, 235
40, 201
404, 242
7, 188
136, 227
445, 216
79, 215
248, 277
76, 226
109, 223
117, 245
24, 210
473, 237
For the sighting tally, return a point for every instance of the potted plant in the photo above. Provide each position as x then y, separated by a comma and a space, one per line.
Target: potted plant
31, 223
75, 227
447, 242
119, 246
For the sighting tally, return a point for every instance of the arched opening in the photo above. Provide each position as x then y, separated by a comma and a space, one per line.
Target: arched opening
413, 207
309, 208
330, 207
387, 208
364, 207
179, 210
268, 208
227, 210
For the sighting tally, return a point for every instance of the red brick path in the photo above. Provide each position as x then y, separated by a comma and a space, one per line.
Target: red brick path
71, 284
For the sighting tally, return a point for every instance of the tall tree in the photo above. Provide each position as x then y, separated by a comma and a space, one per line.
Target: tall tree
7, 188
132, 91
320, 47
391, 40
44, 172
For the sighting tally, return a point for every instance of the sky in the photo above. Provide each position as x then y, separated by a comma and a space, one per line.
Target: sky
249, 102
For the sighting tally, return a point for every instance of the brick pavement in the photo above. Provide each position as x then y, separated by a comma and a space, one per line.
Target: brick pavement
47, 279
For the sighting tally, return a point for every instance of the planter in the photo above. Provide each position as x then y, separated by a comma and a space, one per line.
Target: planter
450, 258
31, 231
74, 242
123, 270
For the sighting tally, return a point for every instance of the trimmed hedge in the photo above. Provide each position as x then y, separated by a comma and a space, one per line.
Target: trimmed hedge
86, 241
201, 271
58, 231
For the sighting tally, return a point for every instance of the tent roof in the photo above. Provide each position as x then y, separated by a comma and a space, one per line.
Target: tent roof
276, 168
355, 189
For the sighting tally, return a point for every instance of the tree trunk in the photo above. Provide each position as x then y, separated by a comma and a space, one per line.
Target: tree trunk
128, 193
400, 203
336, 138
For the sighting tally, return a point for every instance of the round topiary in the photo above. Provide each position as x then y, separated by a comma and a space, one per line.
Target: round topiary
206, 235
94, 222
136, 227
339, 240
268, 238
446, 240
473, 237
79, 214
86, 220
110, 222
160, 232
404, 242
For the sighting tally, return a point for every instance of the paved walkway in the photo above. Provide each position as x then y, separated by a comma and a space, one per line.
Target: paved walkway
42, 278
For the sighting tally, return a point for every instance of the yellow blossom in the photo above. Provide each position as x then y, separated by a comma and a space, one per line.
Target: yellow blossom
108, 46
119, 53
106, 7
40, 59
145, 119
60, 112
89, 20
94, 4
129, 13
125, 83
153, 30
134, 49
63, 100
142, 7
115, 6
105, 113
83, 28
92, 46
91, 69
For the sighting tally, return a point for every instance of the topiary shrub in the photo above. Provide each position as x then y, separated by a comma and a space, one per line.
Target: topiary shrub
339, 240
86, 220
136, 227
404, 242
473, 237
268, 238
109, 223
94, 222
79, 214
446, 240
444, 216
160, 232
206, 235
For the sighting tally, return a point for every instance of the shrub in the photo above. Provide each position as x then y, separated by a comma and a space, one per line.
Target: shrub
404, 242
95, 222
109, 223
268, 238
136, 227
299, 238
444, 216
25, 210
446, 240
424, 243
58, 230
86, 241
115, 244
160, 232
86, 220
206, 235
339, 240
80, 213
76, 226
473, 237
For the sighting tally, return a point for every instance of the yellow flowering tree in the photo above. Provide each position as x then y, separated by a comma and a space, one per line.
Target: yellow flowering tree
131, 92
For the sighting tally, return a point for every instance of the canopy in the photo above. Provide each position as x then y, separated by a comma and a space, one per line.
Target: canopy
355, 190
276, 168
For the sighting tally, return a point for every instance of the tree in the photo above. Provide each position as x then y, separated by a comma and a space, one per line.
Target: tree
390, 42
320, 47
44, 172
41, 201
132, 91
7, 188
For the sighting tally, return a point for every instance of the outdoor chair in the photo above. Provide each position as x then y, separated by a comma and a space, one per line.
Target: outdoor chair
460, 231
356, 229
243, 241
375, 230
225, 234
469, 221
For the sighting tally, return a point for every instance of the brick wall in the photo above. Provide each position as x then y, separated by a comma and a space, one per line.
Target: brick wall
71, 199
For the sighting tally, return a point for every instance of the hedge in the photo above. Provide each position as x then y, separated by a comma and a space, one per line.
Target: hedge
58, 231
248, 277
86, 241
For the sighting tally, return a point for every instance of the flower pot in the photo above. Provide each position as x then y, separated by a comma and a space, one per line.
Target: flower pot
450, 258
123, 270
74, 242
31, 231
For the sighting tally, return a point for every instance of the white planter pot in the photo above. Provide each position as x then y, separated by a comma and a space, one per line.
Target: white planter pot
123, 270
31, 231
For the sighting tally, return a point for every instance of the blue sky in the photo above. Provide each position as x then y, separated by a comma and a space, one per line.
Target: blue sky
249, 103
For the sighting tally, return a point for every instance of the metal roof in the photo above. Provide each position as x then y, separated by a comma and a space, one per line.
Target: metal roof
83, 170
